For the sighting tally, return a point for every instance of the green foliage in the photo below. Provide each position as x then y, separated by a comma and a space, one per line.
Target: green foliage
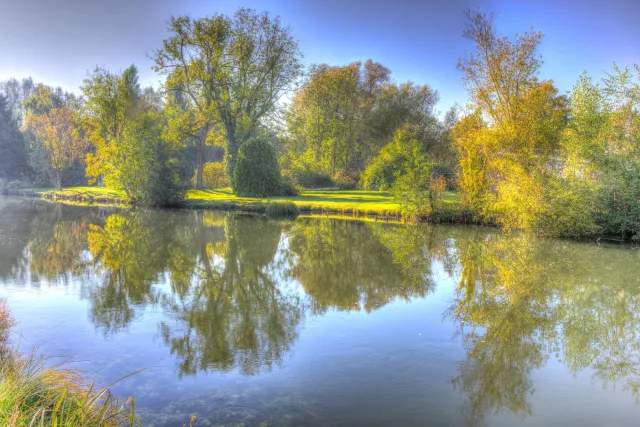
13, 154
345, 180
147, 172
343, 115
281, 208
311, 179
213, 176
257, 173
288, 185
411, 188
230, 72
383, 170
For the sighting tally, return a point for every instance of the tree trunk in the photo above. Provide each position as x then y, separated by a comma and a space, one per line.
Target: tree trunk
58, 180
232, 158
200, 162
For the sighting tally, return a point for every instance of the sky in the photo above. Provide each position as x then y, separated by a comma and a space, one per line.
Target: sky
59, 41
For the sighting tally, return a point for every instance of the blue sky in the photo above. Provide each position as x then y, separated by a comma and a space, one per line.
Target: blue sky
58, 41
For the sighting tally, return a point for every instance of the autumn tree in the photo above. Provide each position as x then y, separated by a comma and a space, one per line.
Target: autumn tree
524, 118
231, 72
60, 138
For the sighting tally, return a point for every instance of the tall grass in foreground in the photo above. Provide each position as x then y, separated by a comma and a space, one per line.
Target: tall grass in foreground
33, 394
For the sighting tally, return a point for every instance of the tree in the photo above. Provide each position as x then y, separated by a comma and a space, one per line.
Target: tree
231, 72
147, 171
524, 120
57, 131
13, 155
342, 116
126, 129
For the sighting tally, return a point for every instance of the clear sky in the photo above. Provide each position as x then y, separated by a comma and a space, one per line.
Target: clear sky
58, 41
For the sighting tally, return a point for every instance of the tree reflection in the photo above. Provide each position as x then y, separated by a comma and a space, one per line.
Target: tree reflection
235, 315
234, 289
350, 265
523, 300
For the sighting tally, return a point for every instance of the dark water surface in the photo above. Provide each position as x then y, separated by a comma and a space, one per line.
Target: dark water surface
242, 320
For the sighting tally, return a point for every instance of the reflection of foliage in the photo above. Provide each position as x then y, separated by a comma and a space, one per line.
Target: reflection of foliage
344, 265
235, 316
131, 250
521, 300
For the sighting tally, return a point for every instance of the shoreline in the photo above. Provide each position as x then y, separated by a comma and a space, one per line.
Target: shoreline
353, 209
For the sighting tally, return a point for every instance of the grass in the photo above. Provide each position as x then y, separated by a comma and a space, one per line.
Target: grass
337, 202
35, 394
352, 202
280, 208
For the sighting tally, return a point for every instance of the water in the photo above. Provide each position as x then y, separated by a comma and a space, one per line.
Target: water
242, 320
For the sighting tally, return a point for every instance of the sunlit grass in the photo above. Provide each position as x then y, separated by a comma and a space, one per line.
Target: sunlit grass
343, 202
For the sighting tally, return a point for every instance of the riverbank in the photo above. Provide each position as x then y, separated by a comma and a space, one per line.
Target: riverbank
354, 203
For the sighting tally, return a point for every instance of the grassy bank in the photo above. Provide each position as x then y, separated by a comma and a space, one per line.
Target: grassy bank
325, 202
34, 393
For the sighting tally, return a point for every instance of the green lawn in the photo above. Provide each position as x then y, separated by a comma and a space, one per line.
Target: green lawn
347, 201
316, 201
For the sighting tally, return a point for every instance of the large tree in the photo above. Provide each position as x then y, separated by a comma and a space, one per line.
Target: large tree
112, 102
518, 137
343, 115
231, 72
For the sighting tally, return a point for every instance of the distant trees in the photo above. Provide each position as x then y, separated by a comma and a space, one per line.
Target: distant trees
13, 155
343, 115
228, 73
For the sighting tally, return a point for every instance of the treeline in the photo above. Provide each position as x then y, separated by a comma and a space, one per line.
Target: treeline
237, 109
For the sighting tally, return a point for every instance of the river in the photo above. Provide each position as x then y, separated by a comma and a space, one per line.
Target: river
243, 320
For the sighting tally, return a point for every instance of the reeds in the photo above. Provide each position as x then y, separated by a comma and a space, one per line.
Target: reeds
280, 208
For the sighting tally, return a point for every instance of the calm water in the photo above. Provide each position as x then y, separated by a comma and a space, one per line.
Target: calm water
320, 322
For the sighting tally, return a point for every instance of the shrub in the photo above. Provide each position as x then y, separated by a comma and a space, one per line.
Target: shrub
257, 173
345, 181
310, 179
282, 208
213, 176
288, 186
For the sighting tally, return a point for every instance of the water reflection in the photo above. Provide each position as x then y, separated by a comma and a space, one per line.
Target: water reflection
235, 290
521, 301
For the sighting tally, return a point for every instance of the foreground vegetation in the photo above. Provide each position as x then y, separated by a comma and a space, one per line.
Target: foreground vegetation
33, 393
520, 153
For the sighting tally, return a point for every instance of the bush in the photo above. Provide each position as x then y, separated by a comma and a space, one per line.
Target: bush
288, 185
213, 176
345, 181
282, 208
257, 173
310, 179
